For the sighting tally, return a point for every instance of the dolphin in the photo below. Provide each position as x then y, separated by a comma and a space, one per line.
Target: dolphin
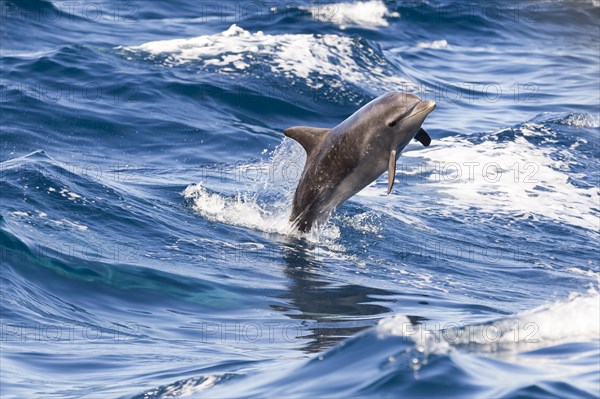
345, 159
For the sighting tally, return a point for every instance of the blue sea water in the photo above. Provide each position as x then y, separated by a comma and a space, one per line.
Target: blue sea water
146, 185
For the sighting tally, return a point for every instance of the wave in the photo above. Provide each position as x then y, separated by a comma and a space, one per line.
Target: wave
57, 193
317, 60
402, 357
576, 319
572, 119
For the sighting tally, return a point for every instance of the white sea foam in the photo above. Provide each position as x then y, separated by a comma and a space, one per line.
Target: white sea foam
585, 272
240, 211
575, 319
71, 224
367, 14
184, 388
305, 56
514, 178
581, 120
69, 194
436, 44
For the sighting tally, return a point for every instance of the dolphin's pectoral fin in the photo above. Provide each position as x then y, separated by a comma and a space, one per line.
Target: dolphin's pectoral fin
391, 171
423, 137
308, 137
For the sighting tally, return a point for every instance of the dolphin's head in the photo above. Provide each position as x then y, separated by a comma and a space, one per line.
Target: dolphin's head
402, 115
388, 122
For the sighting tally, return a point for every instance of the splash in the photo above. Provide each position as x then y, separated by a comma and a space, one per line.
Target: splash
267, 205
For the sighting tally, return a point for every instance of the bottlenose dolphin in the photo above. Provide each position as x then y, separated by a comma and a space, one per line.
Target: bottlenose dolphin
345, 159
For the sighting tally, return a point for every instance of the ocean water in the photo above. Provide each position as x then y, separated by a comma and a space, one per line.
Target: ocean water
146, 184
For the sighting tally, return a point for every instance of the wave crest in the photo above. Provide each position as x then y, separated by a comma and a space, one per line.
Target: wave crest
311, 58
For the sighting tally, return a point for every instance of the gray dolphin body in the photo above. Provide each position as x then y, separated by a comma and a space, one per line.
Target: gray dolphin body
345, 159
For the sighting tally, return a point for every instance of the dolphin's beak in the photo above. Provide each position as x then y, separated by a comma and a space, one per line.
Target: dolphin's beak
424, 106
417, 109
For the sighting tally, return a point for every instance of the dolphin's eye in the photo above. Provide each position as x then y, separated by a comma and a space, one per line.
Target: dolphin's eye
401, 114
394, 122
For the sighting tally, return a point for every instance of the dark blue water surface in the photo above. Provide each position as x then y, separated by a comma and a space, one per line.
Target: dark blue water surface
146, 186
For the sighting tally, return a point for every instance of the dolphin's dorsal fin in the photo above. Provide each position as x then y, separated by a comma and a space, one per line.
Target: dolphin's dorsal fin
308, 137
423, 137
391, 171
